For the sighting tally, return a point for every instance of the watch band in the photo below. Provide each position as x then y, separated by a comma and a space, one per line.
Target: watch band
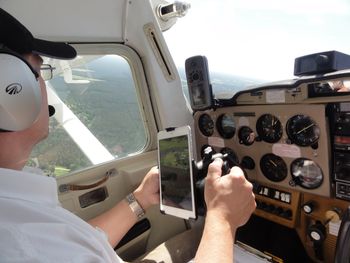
135, 206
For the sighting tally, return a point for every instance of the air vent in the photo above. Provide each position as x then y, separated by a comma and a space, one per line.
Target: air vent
158, 51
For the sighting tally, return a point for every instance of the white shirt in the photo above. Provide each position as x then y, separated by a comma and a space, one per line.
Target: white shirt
35, 228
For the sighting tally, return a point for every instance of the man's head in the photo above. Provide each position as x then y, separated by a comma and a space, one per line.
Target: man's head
23, 98
20, 94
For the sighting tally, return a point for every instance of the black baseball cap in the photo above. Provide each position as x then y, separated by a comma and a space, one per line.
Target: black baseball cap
18, 38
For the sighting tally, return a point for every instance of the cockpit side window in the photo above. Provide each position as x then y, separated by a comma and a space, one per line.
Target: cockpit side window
97, 119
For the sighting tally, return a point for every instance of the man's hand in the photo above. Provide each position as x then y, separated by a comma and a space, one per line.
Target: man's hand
228, 197
230, 202
147, 193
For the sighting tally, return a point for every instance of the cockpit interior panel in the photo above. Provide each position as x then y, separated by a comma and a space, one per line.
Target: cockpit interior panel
292, 140
289, 145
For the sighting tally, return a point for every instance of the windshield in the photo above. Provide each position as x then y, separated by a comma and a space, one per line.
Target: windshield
252, 42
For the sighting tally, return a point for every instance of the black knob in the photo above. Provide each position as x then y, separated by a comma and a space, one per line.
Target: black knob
308, 207
317, 232
248, 163
314, 146
295, 181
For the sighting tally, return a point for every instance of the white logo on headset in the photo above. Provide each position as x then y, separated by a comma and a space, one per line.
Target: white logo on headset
13, 89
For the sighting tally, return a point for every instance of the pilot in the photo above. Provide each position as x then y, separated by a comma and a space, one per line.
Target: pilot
33, 225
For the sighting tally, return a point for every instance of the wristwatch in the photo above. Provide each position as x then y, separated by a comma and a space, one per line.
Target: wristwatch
135, 206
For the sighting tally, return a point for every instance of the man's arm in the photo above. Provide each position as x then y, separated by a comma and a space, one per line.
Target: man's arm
230, 202
117, 221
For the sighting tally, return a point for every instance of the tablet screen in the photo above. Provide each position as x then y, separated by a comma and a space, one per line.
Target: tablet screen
175, 172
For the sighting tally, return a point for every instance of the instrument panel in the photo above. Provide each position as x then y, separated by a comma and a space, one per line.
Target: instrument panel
294, 146
288, 144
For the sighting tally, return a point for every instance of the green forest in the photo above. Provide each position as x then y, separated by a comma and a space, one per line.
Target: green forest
107, 106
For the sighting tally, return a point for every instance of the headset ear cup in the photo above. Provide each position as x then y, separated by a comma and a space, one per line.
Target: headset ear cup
20, 96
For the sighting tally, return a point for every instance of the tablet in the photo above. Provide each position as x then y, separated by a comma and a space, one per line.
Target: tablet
175, 169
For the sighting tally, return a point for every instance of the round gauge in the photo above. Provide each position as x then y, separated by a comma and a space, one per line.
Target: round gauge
206, 125
226, 126
246, 135
232, 158
273, 167
269, 128
306, 173
302, 130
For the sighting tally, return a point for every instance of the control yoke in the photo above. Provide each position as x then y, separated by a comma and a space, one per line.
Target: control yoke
201, 167
200, 170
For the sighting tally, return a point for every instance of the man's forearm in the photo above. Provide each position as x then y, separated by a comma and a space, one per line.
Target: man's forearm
217, 241
116, 222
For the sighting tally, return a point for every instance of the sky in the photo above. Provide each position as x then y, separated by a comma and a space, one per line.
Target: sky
259, 39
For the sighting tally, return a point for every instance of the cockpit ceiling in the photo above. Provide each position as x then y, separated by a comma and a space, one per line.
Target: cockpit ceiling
57, 20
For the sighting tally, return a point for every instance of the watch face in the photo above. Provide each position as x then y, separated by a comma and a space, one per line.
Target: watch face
135, 206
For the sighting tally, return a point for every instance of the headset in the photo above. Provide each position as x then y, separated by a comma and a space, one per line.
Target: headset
20, 95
